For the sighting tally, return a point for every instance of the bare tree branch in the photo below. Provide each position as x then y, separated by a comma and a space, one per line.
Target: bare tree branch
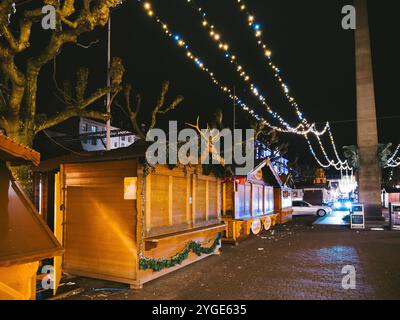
158, 109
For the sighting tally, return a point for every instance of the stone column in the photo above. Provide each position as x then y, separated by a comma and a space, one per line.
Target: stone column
369, 179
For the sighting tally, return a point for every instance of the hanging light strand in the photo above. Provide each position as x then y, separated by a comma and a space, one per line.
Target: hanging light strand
325, 166
267, 53
301, 129
339, 166
232, 58
217, 37
394, 160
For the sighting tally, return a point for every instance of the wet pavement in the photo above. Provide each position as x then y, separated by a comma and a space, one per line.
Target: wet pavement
337, 218
297, 261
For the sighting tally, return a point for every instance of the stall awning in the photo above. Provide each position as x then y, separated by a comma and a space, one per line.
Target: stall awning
17, 153
24, 236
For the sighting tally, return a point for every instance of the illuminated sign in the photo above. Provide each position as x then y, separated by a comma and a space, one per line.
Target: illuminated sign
357, 217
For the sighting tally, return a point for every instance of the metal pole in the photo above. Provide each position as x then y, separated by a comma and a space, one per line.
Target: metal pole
108, 125
234, 108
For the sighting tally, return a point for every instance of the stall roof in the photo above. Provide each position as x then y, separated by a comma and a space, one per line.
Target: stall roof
392, 190
17, 153
271, 175
287, 181
24, 237
136, 150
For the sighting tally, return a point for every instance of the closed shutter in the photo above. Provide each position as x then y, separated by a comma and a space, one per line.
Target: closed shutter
179, 201
99, 224
200, 215
159, 201
247, 206
212, 200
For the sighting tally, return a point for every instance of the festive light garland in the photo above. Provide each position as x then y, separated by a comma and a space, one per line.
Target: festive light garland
337, 165
160, 264
267, 53
232, 58
301, 129
315, 155
340, 166
335, 149
394, 160
256, 27
217, 37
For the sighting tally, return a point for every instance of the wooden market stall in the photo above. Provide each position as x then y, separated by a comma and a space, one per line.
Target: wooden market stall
24, 237
248, 202
283, 199
130, 223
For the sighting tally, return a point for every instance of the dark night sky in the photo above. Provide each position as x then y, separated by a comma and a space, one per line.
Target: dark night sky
315, 54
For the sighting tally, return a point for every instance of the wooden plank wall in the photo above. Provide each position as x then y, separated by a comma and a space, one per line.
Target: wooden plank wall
100, 226
180, 201
251, 200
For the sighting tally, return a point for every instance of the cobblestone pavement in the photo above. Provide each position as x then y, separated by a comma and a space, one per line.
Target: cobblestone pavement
297, 261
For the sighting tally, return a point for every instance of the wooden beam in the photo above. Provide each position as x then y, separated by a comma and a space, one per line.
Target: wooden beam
170, 190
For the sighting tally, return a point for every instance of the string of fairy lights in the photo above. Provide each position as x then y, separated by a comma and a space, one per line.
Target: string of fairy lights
230, 56
256, 29
304, 128
394, 160
181, 43
233, 59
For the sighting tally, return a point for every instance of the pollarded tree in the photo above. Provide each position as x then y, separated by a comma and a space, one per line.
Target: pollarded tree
133, 109
19, 116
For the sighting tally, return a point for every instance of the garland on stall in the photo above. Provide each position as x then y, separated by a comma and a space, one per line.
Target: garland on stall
160, 264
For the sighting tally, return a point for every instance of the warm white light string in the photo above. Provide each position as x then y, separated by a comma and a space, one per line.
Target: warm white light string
257, 31
337, 165
217, 37
299, 130
315, 155
267, 53
232, 58
394, 160
340, 165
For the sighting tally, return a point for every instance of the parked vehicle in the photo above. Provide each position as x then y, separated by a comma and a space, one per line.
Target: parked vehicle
343, 205
317, 196
301, 208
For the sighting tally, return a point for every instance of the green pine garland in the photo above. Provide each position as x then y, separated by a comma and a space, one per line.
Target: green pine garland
160, 264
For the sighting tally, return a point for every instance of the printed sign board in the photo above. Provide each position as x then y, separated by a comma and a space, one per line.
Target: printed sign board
395, 216
357, 217
130, 188
256, 226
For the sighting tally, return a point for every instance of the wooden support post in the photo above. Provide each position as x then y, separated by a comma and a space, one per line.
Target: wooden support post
170, 215
207, 200
148, 203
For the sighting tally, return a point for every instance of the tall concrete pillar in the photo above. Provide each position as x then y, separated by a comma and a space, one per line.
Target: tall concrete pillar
367, 130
